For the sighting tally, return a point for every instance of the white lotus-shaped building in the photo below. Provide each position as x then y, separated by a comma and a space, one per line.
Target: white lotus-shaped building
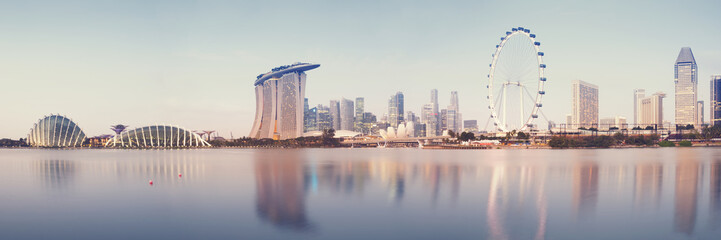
404, 131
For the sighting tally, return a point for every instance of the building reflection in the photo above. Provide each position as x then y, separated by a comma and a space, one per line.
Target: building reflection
55, 174
393, 174
280, 197
686, 192
503, 206
715, 192
585, 187
436, 174
648, 182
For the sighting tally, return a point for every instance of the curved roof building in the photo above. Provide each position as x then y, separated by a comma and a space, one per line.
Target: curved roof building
56, 131
158, 136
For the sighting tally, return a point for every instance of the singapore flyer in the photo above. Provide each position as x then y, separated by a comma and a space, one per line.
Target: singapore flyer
515, 81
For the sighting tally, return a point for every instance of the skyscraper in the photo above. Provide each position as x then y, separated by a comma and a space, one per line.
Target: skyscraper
335, 114
585, 104
347, 114
699, 113
454, 120
435, 123
638, 94
686, 85
651, 109
323, 119
715, 99
310, 119
429, 120
358, 124
279, 97
395, 109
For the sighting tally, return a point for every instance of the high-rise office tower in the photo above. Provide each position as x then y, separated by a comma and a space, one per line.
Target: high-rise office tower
369, 120
279, 97
335, 114
685, 78
429, 120
323, 118
395, 109
444, 119
454, 120
699, 113
311, 118
347, 114
715, 99
638, 94
585, 104
651, 109
359, 105
435, 123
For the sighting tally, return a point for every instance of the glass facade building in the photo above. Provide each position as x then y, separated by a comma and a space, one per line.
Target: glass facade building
347, 114
395, 109
158, 136
715, 99
56, 131
685, 79
359, 110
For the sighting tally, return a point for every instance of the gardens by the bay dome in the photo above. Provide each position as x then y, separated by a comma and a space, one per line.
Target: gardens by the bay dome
157, 136
56, 131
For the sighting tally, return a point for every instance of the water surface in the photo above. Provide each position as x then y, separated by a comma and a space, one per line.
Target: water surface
361, 194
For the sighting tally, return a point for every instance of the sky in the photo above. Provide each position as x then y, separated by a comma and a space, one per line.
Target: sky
193, 63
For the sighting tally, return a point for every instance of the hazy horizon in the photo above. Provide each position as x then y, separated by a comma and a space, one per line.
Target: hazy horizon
193, 64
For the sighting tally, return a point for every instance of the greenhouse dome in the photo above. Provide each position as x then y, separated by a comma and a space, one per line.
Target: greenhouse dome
157, 136
56, 131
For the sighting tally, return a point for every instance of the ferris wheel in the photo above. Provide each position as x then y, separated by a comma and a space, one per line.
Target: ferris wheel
515, 81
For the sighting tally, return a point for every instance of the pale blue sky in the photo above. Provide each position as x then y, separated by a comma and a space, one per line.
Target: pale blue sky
192, 63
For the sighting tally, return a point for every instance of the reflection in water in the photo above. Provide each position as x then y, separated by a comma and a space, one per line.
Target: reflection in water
505, 194
715, 192
648, 180
280, 195
504, 210
687, 179
393, 173
55, 174
585, 188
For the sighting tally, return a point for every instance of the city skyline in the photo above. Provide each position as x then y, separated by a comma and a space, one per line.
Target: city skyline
199, 60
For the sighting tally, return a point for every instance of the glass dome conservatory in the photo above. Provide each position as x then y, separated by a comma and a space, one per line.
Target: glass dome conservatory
158, 136
56, 131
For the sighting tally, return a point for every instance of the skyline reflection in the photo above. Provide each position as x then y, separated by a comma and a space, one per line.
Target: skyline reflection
485, 194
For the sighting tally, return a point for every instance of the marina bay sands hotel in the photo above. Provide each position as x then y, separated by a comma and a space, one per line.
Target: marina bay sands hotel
279, 96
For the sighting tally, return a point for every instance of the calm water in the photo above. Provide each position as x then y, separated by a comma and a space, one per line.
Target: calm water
361, 194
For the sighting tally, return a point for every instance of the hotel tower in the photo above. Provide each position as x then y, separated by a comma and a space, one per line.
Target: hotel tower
279, 100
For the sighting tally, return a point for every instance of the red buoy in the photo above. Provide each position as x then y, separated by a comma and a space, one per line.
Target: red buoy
151, 182
180, 175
